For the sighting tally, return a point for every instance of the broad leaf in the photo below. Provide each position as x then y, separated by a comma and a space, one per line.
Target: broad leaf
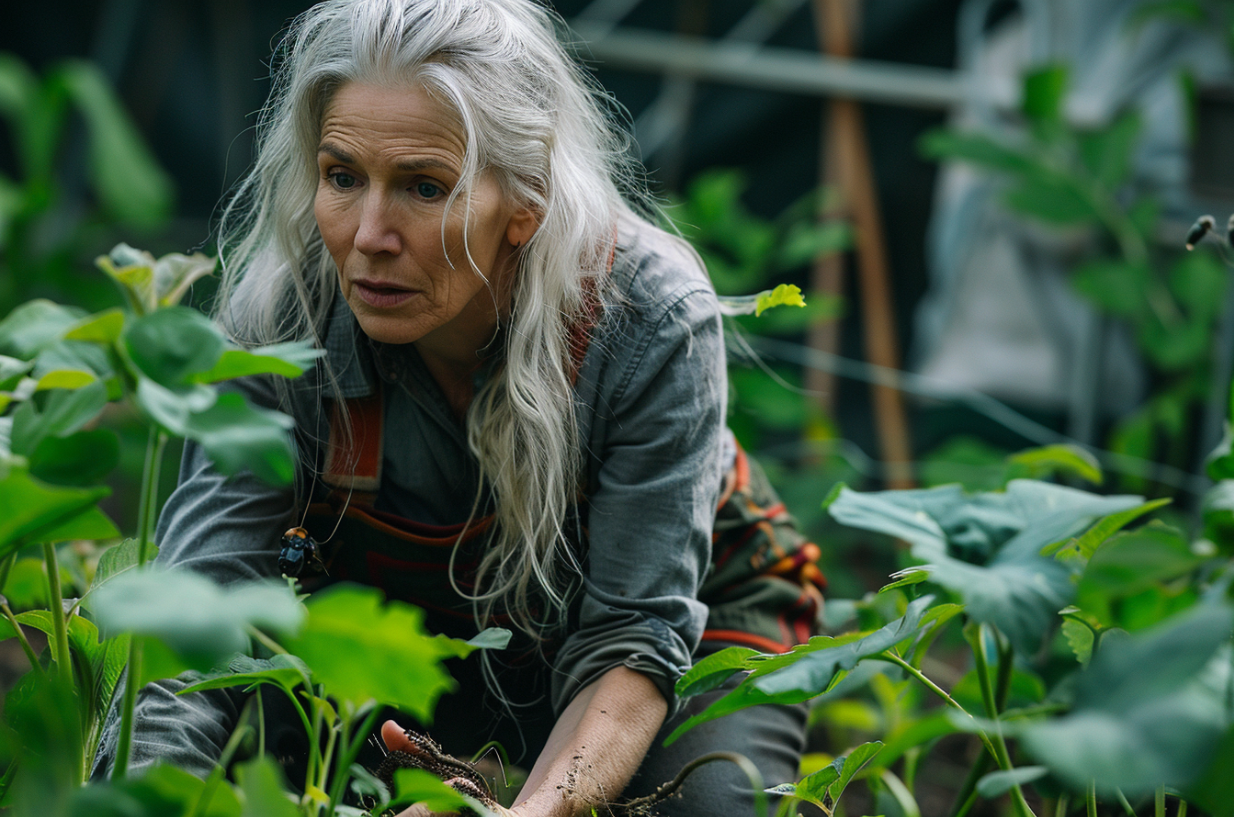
1107, 153
34, 325
31, 511
1086, 545
824, 787
1044, 91
1052, 198
364, 650
1048, 460
172, 344
714, 670
113, 562
12, 371
1149, 710
199, 621
104, 327
976, 148
63, 411
1131, 564
238, 436
286, 671
284, 359
82, 458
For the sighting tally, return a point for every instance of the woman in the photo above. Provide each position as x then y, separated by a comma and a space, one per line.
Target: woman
519, 416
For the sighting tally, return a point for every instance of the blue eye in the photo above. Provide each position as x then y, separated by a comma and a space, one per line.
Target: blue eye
427, 190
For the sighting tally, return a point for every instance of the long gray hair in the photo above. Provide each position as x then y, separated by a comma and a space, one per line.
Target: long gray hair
533, 119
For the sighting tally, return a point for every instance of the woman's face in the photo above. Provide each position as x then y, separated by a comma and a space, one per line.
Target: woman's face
388, 159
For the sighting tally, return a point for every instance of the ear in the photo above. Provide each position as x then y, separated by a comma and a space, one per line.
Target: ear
522, 226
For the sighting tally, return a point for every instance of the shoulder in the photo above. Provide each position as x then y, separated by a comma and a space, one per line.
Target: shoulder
656, 274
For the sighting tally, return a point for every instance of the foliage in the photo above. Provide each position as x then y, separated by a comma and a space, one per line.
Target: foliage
42, 230
1081, 179
1100, 651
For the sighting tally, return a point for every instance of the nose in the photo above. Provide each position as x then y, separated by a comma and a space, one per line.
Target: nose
378, 230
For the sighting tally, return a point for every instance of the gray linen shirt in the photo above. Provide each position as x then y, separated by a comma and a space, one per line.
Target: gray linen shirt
650, 394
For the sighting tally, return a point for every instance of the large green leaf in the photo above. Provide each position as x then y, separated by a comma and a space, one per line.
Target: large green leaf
161, 791
986, 547
199, 621
12, 371
1048, 460
34, 325
63, 411
113, 562
976, 148
171, 344
286, 671
363, 650
714, 670
1130, 564
1045, 90
149, 283
1149, 710
31, 511
285, 359
419, 786
804, 672
82, 458
1052, 198
236, 435
125, 175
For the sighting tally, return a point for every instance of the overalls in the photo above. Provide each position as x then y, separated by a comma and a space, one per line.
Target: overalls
764, 591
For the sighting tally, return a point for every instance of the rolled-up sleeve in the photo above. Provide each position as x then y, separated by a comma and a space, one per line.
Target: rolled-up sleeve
655, 446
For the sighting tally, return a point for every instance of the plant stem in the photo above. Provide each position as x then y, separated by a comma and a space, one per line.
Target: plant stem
1182, 808
1061, 807
147, 511
989, 697
351, 743
220, 768
124, 743
1159, 802
967, 794
1090, 798
21, 638
892, 658
1122, 799
60, 631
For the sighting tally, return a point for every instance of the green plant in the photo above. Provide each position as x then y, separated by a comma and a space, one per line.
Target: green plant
1072, 178
1100, 657
43, 231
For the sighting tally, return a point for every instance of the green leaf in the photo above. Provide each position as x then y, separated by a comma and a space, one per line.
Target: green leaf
170, 345
1086, 545
1132, 563
82, 458
12, 371
113, 562
171, 408
124, 174
714, 670
806, 242
174, 273
238, 436
32, 512
284, 359
977, 149
1107, 153
262, 790
825, 787
782, 295
34, 325
1149, 710
809, 673
905, 578
161, 791
286, 671
1044, 92
63, 412
419, 786
490, 638
1080, 638
996, 784
986, 547
103, 327
1048, 460
1052, 198
364, 650
199, 621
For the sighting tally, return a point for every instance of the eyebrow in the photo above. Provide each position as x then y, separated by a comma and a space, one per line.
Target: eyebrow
405, 165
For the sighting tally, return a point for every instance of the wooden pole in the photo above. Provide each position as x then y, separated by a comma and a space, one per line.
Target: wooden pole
846, 166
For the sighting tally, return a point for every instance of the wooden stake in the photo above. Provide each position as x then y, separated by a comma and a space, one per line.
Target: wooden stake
846, 166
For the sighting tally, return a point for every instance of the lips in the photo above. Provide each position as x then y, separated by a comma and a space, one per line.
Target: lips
382, 294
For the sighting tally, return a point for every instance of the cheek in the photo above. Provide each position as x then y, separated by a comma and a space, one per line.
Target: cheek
332, 225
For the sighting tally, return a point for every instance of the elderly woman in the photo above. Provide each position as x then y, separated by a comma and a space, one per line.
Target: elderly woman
519, 416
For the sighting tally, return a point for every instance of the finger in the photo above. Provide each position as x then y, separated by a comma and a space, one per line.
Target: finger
395, 738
